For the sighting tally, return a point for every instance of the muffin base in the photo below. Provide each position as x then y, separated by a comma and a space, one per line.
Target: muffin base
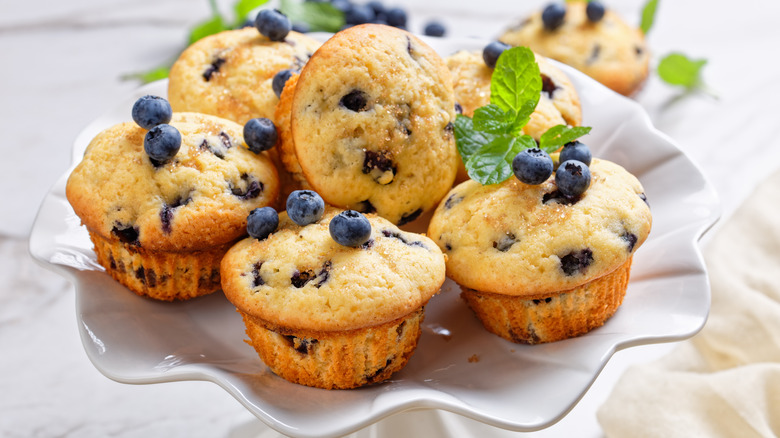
336, 360
550, 317
165, 276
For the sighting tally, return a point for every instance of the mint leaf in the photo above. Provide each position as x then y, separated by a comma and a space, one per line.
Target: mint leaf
215, 25
492, 164
648, 16
243, 8
516, 83
320, 16
559, 135
492, 119
467, 139
678, 69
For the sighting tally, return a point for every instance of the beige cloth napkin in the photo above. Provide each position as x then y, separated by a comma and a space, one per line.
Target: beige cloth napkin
725, 381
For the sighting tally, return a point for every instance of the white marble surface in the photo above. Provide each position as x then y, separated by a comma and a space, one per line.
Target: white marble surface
62, 67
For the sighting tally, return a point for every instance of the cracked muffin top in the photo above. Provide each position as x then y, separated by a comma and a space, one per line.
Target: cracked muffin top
300, 278
524, 240
200, 198
230, 74
372, 123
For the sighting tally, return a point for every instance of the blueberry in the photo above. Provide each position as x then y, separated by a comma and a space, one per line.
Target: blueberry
261, 222
350, 228
532, 166
162, 143
576, 150
280, 79
572, 178
359, 14
260, 134
150, 111
434, 28
552, 16
492, 51
594, 11
273, 24
396, 17
377, 7
342, 5
305, 207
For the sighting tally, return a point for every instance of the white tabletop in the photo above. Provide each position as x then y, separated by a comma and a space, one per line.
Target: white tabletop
62, 67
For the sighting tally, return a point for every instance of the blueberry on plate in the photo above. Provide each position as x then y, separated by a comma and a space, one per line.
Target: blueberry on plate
595, 11
572, 178
305, 207
576, 150
492, 51
350, 228
161, 143
434, 28
150, 111
261, 222
532, 166
280, 79
552, 15
273, 24
396, 17
260, 134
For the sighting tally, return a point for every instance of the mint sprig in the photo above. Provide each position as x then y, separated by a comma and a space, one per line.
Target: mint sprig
490, 141
678, 69
320, 16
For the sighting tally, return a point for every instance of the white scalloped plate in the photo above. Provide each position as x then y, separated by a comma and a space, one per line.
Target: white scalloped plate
458, 366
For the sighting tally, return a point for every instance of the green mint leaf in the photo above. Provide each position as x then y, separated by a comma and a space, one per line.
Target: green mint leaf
492, 164
320, 16
516, 82
467, 139
215, 25
648, 16
148, 76
492, 119
243, 8
678, 69
559, 135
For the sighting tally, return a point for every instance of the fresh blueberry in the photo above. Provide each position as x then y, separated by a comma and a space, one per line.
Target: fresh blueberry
305, 207
532, 166
572, 178
359, 14
261, 222
161, 143
150, 111
552, 15
396, 17
576, 150
434, 28
594, 11
492, 51
350, 228
273, 24
342, 5
280, 78
377, 7
260, 134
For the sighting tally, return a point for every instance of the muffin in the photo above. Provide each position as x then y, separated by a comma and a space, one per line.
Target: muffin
162, 229
230, 74
331, 316
608, 50
559, 103
371, 123
535, 266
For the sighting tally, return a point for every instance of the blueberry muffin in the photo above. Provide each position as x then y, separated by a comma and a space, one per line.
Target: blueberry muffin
230, 74
535, 266
559, 103
609, 50
331, 316
372, 124
162, 229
